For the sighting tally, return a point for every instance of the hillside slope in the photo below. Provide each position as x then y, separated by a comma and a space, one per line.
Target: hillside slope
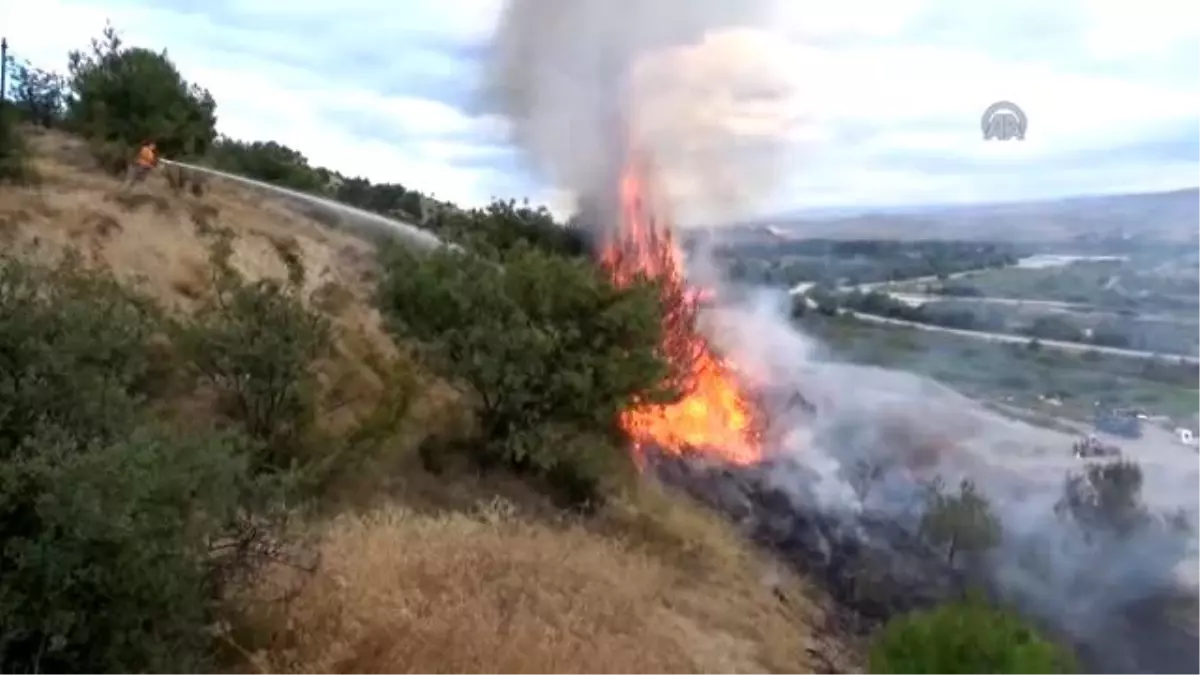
154, 238
422, 573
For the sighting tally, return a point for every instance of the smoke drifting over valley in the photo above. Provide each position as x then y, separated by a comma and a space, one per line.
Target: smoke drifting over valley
697, 88
1093, 588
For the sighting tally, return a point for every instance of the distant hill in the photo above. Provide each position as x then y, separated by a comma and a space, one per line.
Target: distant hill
1152, 217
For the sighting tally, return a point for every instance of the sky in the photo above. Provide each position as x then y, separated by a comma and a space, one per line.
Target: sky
883, 101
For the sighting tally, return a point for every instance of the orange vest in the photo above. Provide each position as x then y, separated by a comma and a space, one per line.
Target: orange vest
146, 156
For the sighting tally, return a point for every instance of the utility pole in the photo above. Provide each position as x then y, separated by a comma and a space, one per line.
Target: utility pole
3, 67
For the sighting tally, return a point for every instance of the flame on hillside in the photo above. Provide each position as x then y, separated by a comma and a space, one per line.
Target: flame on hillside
715, 416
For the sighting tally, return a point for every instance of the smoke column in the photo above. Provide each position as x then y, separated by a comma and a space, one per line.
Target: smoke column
698, 85
701, 87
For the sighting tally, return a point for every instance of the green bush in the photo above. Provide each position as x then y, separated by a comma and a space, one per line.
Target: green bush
579, 467
502, 225
542, 342
74, 352
1105, 498
109, 526
14, 155
269, 162
961, 522
106, 564
968, 636
38, 96
256, 344
124, 95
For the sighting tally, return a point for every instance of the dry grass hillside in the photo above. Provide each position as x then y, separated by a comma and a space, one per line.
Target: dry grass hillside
425, 573
155, 238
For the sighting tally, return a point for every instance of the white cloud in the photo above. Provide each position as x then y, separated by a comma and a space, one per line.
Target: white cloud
272, 82
895, 100
1116, 29
883, 108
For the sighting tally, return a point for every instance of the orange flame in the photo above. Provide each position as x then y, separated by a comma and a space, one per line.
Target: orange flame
715, 417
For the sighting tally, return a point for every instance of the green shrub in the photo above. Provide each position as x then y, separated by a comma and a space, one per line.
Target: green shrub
256, 344
1105, 498
110, 559
502, 225
125, 95
381, 416
967, 636
544, 342
38, 96
14, 155
106, 564
269, 162
579, 467
961, 522
74, 352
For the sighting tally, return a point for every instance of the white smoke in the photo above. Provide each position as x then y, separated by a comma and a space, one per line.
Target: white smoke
699, 86
1044, 563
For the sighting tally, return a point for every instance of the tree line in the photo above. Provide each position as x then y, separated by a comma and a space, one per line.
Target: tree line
853, 262
959, 313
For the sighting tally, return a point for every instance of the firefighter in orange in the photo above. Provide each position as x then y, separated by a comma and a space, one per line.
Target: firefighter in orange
147, 159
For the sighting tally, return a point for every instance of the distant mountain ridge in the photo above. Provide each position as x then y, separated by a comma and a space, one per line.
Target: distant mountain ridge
1172, 216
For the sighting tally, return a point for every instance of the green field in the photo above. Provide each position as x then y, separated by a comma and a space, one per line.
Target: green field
1135, 286
1015, 374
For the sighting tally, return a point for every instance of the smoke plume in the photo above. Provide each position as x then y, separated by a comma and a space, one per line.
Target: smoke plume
699, 86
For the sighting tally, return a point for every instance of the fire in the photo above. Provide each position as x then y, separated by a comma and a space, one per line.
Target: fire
715, 415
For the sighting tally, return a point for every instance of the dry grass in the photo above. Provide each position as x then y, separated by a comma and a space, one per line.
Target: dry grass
158, 240
405, 592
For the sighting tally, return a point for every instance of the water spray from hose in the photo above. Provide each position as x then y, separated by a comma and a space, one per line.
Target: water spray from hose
364, 222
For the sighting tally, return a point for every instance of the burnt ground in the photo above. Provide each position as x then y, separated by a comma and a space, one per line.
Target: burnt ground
875, 568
